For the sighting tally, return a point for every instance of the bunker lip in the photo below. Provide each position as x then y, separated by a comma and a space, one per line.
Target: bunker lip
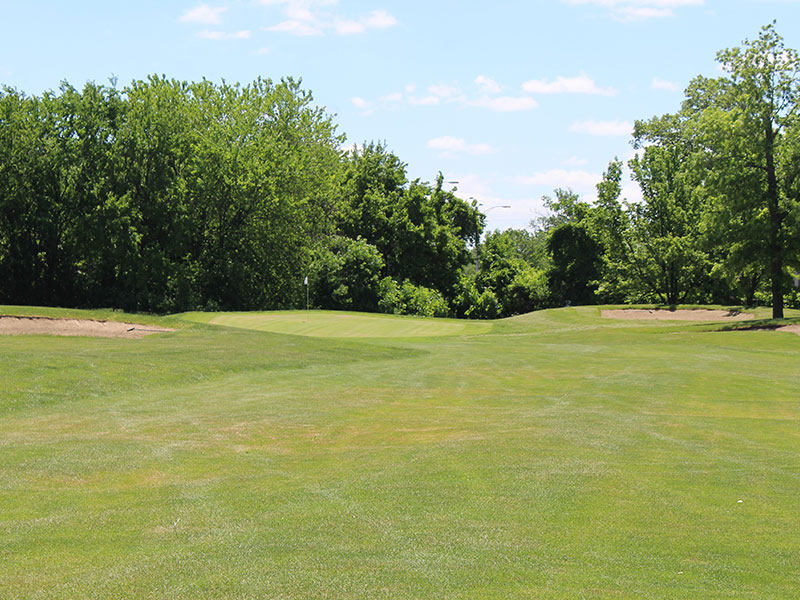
27, 325
686, 314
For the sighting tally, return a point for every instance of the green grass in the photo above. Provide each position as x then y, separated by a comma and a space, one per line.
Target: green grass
551, 455
342, 324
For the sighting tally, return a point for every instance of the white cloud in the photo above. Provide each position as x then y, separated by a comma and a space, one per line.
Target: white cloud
294, 27
308, 18
396, 98
504, 103
451, 94
443, 90
663, 84
609, 128
366, 107
348, 27
581, 84
224, 35
490, 86
379, 19
204, 15
298, 12
451, 146
580, 181
638, 10
424, 100
575, 161
392, 98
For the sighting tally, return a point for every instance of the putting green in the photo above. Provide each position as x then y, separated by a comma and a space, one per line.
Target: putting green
335, 324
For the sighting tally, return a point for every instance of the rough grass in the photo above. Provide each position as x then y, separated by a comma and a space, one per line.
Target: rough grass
559, 455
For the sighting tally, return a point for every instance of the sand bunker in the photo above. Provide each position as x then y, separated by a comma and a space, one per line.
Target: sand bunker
676, 315
84, 327
790, 328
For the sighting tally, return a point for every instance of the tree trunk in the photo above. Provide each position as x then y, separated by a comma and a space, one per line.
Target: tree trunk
775, 222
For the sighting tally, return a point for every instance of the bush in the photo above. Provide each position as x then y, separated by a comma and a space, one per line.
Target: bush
486, 306
528, 291
344, 275
410, 299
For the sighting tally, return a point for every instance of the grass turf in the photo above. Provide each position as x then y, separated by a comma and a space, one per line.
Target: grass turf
552, 455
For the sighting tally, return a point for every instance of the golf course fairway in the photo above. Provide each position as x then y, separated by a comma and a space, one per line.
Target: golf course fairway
556, 454
343, 324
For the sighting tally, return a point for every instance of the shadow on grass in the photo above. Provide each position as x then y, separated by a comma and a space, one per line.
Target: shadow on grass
756, 324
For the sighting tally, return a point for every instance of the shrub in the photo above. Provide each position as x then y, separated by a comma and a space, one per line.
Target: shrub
410, 299
344, 275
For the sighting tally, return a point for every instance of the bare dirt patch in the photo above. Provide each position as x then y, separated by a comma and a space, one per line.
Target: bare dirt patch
655, 314
73, 327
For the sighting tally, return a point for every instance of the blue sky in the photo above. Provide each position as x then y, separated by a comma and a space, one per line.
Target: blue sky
510, 98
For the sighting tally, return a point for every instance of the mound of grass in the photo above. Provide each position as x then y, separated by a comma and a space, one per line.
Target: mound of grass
556, 455
338, 324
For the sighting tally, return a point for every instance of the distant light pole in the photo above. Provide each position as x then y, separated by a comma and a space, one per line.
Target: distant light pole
478, 235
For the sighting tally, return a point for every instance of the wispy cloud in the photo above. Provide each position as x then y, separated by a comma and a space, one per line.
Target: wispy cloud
309, 18
294, 27
204, 15
484, 93
224, 35
575, 161
442, 90
450, 146
580, 181
582, 84
490, 86
503, 103
663, 84
638, 10
602, 128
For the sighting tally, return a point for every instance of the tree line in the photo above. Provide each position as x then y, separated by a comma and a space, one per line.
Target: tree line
166, 196
719, 219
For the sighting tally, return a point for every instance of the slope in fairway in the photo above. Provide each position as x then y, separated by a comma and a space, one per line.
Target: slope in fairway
559, 455
336, 324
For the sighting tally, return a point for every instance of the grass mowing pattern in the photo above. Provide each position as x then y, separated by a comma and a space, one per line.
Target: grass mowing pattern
559, 456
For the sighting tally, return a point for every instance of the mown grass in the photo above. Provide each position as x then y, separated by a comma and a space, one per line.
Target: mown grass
556, 455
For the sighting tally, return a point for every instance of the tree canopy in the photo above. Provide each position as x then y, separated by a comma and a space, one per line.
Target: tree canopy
168, 195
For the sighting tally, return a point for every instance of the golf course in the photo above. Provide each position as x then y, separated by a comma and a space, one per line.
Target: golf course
557, 454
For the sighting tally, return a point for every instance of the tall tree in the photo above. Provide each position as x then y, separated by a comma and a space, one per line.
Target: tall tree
745, 125
421, 230
664, 240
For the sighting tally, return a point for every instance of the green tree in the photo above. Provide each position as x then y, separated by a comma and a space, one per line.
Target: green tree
421, 230
515, 285
662, 246
575, 266
345, 274
744, 124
